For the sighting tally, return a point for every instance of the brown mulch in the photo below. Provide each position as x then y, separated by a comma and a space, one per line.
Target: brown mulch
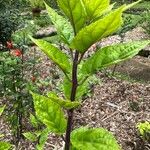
118, 106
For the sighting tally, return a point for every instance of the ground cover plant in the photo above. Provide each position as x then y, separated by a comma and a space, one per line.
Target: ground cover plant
3, 145
144, 130
14, 89
86, 23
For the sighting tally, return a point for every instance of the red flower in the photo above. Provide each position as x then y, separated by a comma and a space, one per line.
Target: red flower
33, 79
9, 44
16, 52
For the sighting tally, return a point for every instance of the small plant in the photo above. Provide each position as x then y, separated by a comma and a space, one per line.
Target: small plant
144, 130
4, 145
13, 90
39, 135
87, 22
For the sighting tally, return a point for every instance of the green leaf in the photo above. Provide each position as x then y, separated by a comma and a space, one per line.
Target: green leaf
97, 30
60, 58
74, 10
81, 89
131, 5
49, 113
62, 25
143, 127
95, 9
63, 103
30, 136
34, 121
5, 145
111, 55
43, 139
93, 139
2, 109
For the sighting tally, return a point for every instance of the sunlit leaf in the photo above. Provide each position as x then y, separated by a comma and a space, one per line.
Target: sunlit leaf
98, 30
63, 103
55, 54
74, 10
62, 25
96, 8
111, 55
49, 113
93, 139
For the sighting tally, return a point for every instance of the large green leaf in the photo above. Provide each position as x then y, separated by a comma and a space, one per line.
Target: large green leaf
63, 103
49, 113
5, 145
97, 30
111, 55
93, 139
62, 25
54, 54
74, 10
2, 109
96, 8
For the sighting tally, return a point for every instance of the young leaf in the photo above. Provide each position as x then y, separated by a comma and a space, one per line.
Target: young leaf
96, 9
5, 145
111, 55
63, 103
74, 10
54, 54
2, 109
97, 30
30, 136
34, 121
93, 139
62, 25
43, 139
49, 113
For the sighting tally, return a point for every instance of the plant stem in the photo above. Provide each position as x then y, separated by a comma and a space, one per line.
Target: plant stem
72, 98
4, 82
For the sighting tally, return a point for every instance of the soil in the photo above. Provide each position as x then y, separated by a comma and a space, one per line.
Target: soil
115, 104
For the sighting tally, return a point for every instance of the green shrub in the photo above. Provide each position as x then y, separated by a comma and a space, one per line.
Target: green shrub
9, 22
13, 89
